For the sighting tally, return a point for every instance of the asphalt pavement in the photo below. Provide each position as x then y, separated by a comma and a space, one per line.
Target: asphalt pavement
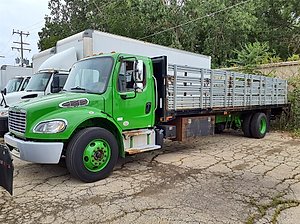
219, 179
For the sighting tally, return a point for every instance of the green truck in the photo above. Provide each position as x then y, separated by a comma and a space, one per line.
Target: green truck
118, 104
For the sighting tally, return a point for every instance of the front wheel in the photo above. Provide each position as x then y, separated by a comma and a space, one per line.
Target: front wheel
92, 154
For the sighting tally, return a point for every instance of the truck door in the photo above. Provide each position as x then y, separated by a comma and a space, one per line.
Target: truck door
160, 73
134, 98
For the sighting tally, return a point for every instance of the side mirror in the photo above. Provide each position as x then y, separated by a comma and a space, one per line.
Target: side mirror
139, 71
55, 85
4, 91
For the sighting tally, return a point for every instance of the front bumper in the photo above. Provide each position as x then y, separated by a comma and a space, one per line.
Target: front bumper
36, 152
3, 125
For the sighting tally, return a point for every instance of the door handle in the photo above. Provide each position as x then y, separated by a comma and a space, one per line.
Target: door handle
148, 107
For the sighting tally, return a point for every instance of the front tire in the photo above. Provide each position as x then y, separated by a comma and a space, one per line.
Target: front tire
92, 154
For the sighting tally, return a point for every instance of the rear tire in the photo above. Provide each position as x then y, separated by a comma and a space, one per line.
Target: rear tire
92, 154
219, 128
246, 125
259, 125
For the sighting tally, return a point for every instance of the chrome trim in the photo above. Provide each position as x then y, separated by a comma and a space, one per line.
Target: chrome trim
17, 121
61, 104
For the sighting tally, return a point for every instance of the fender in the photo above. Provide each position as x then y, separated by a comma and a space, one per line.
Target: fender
109, 124
76, 120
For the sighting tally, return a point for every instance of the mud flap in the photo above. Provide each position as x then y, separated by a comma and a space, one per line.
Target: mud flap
6, 169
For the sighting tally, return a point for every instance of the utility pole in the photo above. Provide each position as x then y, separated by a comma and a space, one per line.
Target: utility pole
21, 43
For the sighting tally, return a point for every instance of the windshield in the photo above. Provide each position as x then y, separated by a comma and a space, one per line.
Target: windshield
89, 75
25, 83
38, 82
13, 85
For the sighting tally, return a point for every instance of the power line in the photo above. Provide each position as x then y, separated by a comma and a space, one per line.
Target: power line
194, 20
21, 43
35, 24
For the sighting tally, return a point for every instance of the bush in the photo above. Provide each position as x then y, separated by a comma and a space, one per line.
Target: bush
291, 122
294, 57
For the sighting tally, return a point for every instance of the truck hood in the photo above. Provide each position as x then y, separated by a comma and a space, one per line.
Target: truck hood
58, 104
16, 97
54, 100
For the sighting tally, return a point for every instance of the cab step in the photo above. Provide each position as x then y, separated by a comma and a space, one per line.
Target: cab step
147, 148
137, 141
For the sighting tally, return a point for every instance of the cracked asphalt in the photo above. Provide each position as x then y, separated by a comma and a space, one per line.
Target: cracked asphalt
219, 179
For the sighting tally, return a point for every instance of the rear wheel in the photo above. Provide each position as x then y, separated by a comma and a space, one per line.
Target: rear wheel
92, 154
259, 125
246, 125
219, 128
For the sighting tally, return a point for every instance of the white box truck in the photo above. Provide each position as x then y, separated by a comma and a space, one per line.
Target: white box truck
18, 83
50, 78
58, 60
7, 72
39, 58
91, 42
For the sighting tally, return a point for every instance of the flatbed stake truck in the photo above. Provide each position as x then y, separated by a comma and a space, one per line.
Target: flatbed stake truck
118, 104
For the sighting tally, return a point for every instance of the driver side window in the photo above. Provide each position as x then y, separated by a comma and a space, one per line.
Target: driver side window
126, 77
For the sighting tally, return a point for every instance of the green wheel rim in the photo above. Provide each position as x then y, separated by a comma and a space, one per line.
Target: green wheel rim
263, 126
96, 155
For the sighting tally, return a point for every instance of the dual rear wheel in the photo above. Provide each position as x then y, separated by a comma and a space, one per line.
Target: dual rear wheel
255, 125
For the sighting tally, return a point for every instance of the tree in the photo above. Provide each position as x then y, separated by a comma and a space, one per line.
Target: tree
212, 27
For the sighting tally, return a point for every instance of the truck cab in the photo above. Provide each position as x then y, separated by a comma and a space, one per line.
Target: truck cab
49, 79
107, 109
40, 84
16, 84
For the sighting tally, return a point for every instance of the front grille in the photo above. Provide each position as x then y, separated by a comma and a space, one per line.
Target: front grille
17, 121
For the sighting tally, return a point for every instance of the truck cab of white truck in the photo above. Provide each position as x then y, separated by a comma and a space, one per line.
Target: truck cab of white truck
42, 83
50, 79
16, 84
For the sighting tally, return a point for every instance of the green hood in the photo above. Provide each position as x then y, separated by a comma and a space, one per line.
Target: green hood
49, 107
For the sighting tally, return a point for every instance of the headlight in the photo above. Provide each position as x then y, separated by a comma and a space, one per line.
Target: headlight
54, 126
4, 113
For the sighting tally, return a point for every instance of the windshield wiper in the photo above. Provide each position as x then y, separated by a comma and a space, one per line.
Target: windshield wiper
78, 88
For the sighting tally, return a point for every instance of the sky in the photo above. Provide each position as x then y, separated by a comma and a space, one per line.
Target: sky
22, 15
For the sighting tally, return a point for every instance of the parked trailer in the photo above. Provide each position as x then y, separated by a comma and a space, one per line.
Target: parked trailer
118, 104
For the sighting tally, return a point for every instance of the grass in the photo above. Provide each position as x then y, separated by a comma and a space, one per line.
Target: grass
278, 203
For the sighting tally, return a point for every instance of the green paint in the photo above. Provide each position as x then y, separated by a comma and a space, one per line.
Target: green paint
263, 126
103, 110
230, 118
96, 155
223, 118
